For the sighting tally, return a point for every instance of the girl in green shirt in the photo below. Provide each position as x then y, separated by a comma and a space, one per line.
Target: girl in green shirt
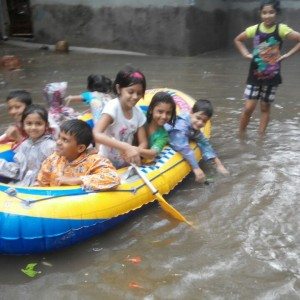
162, 110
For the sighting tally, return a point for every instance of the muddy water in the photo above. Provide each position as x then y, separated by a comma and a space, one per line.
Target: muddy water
246, 241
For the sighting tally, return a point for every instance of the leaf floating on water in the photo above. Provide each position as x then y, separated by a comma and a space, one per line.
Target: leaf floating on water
29, 270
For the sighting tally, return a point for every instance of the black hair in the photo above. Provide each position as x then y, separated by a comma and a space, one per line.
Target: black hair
35, 109
274, 3
101, 84
204, 106
162, 97
129, 76
21, 96
80, 130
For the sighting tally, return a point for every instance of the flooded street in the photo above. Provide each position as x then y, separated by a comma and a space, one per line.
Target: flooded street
245, 244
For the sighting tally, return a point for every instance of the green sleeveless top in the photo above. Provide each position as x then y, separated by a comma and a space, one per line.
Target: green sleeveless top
158, 139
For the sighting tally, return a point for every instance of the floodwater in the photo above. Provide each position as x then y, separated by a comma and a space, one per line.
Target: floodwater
245, 244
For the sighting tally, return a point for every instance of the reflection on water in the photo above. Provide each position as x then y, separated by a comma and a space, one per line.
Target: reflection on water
245, 243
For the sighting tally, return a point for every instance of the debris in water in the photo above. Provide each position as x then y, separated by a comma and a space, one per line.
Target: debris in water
97, 249
44, 47
135, 260
10, 62
29, 270
278, 106
62, 47
135, 285
47, 264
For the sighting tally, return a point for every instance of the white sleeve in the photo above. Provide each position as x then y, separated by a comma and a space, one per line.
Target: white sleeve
111, 108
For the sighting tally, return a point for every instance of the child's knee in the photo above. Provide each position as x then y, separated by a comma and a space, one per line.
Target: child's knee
265, 107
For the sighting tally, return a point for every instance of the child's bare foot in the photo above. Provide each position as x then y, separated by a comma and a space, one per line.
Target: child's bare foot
221, 169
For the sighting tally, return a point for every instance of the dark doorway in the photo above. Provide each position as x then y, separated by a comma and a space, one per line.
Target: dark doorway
20, 17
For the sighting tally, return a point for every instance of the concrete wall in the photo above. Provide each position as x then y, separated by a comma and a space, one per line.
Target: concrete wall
182, 27
168, 27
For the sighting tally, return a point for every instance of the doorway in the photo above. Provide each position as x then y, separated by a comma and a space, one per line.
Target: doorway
19, 18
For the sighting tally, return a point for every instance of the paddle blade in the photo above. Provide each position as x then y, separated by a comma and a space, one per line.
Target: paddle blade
171, 210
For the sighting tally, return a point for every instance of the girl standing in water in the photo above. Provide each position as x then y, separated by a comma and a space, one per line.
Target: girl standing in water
264, 73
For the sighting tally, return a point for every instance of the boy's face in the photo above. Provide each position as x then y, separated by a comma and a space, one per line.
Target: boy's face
198, 120
67, 146
15, 109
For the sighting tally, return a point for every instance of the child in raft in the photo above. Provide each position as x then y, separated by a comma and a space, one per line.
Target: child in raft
188, 127
16, 102
264, 73
33, 150
73, 164
122, 121
161, 111
97, 95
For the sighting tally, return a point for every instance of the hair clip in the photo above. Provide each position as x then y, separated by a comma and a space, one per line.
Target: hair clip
137, 75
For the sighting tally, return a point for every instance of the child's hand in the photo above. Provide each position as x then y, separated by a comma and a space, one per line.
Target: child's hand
132, 155
282, 57
199, 175
67, 100
249, 56
220, 168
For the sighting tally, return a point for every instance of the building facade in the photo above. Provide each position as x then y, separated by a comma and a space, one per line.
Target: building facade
168, 27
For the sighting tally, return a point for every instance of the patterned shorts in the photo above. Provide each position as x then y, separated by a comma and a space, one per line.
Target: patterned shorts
264, 93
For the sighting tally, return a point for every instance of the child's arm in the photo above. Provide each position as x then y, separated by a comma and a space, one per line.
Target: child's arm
75, 98
13, 134
240, 45
130, 152
142, 138
102, 176
4, 138
46, 171
293, 36
9, 169
180, 142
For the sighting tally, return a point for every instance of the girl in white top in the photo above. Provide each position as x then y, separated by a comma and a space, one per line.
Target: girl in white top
122, 122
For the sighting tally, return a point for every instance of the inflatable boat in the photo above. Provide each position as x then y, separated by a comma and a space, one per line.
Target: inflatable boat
36, 220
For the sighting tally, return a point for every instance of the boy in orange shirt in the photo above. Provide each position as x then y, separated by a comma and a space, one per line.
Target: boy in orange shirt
72, 164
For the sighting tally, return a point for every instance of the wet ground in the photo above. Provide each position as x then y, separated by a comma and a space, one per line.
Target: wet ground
246, 241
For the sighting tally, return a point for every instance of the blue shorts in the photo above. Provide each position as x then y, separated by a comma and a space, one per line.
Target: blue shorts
264, 93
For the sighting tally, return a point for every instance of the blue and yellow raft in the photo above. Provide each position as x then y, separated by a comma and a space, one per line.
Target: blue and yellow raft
36, 220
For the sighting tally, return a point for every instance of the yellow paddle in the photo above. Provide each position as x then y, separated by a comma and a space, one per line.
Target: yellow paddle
163, 203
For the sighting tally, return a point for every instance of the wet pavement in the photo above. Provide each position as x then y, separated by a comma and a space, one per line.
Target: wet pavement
246, 241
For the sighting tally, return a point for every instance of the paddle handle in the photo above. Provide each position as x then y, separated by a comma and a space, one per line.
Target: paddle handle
145, 179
